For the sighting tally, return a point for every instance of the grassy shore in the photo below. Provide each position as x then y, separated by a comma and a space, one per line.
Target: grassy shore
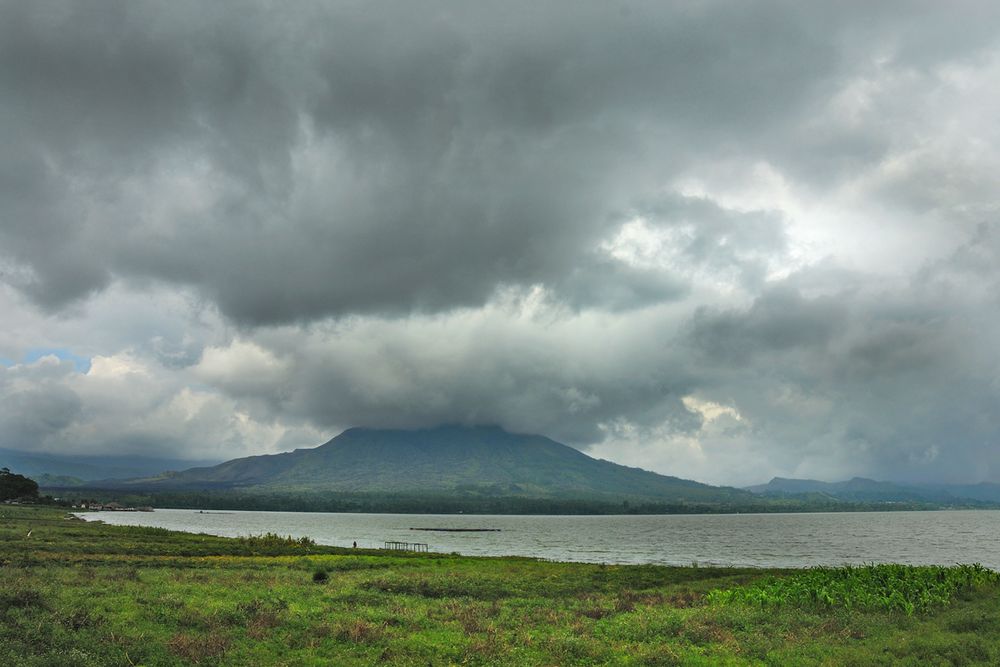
75, 593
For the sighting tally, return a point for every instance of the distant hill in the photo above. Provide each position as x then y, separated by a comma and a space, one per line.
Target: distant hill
69, 470
449, 459
863, 490
984, 491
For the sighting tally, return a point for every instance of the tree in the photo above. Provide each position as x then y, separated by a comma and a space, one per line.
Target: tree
16, 486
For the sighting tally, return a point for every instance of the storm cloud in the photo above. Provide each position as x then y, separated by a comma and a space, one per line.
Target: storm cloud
721, 239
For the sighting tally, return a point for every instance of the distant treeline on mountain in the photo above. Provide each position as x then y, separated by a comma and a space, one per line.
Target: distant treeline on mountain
860, 489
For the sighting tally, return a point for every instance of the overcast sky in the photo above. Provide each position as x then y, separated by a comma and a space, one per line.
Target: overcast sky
718, 240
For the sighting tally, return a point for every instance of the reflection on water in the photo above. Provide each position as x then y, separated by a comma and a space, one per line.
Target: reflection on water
762, 540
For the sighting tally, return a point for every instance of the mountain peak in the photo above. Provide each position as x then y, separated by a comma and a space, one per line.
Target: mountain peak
440, 428
447, 459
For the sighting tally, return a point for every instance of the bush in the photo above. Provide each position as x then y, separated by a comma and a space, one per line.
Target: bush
275, 540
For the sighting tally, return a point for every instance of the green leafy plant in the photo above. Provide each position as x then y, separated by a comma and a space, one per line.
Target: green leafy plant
899, 588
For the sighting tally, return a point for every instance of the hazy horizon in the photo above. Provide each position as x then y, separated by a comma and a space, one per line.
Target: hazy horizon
720, 241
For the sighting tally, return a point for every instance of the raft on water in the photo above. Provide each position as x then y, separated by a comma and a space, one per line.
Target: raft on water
460, 530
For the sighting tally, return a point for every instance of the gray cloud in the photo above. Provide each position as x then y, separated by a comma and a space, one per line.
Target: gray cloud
893, 382
323, 161
496, 365
726, 240
31, 415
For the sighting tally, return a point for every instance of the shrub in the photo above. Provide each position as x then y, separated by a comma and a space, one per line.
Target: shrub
275, 540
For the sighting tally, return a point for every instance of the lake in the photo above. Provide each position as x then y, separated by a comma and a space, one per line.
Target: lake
757, 540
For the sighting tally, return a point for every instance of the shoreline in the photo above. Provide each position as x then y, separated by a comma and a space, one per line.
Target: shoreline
742, 541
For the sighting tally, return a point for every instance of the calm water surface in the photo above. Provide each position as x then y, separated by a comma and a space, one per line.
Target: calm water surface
762, 540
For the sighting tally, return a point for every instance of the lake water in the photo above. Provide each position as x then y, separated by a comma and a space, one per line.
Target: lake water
759, 540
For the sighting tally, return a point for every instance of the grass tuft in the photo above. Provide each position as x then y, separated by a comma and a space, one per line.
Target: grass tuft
198, 648
21, 599
360, 631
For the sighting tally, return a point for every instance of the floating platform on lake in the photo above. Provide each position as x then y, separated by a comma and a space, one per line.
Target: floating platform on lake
406, 546
460, 530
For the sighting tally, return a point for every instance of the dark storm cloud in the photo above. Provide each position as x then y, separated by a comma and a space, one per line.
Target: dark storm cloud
778, 321
327, 159
564, 378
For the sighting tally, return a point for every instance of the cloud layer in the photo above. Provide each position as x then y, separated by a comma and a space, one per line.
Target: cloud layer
722, 240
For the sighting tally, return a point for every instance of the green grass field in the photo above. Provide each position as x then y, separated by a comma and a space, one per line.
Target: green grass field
75, 593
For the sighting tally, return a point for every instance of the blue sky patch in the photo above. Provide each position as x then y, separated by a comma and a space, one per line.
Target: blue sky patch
82, 363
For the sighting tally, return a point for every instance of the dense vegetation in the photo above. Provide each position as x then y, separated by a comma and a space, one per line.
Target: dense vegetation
74, 593
458, 501
16, 486
429, 503
862, 490
884, 586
